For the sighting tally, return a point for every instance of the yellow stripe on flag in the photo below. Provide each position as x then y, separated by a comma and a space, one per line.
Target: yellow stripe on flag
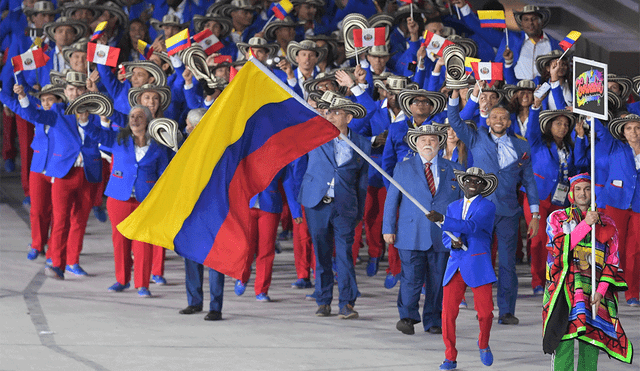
161, 215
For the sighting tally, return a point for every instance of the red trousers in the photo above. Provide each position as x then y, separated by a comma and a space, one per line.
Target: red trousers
26, 131
285, 217
9, 150
157, 265
71, 201
373, 211
262, 234
452, 294
122, 246
303, 255
40, 213
538, 243
628, 224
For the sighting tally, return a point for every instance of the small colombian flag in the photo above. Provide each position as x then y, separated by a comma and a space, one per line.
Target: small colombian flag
282, 8
145, 50
569, 40
98, 31
178, 42
492, 19
467, 64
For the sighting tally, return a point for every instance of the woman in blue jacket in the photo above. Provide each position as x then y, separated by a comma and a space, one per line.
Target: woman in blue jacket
554, 161
520, 100
138, 162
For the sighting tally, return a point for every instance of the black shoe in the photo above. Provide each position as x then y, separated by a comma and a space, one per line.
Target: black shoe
405, 326
191, 309
213, 315
508, 319
323, 310
435, 330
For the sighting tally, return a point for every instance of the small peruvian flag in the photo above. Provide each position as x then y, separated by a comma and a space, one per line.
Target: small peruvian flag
487, 71
208, 41
102, 54
435, 44
29, 60
369, 37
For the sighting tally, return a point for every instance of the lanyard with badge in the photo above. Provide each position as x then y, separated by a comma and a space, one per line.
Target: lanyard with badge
562, 188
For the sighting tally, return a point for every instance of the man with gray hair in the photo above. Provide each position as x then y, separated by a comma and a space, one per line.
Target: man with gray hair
193, 118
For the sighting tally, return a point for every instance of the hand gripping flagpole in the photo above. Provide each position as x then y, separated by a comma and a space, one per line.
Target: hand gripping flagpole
396, 184
594, 307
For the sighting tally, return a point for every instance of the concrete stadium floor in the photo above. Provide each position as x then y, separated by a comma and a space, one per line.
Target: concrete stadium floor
76, 324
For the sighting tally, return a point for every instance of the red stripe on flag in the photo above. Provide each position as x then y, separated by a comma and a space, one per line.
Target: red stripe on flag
380, 38
357, 37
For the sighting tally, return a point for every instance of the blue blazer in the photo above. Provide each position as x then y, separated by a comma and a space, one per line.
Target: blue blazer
67, 143
476, 232
401, 217
485, 156
118, 91
350, 186
126, 171
270, 200
516, 39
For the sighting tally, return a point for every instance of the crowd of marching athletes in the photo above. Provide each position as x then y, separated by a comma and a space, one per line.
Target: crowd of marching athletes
82, 81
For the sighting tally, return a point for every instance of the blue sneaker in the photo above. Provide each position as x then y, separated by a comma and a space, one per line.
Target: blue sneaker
372, 267
76, 269
285, 235
263, 297
118, 287
9, 165
463, 304
301, 283
347, 312
278, 248
144, 292
239, 288
99, 213
448, 365
33, 253
633, 302
48, 262
424, 290
310, 297
390, 281
158, 280
538, 290
26, 201
486, 356
54, 272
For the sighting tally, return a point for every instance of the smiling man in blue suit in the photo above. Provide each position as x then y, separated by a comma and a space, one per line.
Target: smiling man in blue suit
430, 179
333, 193
510, 159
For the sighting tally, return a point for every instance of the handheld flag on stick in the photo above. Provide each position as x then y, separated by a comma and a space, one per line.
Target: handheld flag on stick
98, 31
178, 42
200, 205
208, 41
102, 54
492, 19
281, 9
369, 37
232, 73
145, 50
467, 64
487, 71
222, 59
568, 41
435, 44
29, 60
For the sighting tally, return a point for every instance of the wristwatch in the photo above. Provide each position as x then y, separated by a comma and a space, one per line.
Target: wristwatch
534, 216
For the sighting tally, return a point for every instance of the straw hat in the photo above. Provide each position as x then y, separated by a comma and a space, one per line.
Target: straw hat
163, 91
165, 59
41, 7
356, 110
511, 90
270, 29
636, 85
380, 51
414, 133
116, 10
491, 179
227, 9
485, 90
547, 117
79, 46
75, 78
259, 42
405, 12
57, 90
469, 46
168, 20
153, 69
165, 131
542, 12
616, 126
395, 84
69, 8
626, 85
59, 78
438, 100
94, 103
470, 123
225, 23
543, 60
79, 27
295, 47
312, 84
351, 22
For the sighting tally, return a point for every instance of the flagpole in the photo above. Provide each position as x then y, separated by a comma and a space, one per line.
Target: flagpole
594, 307
411, 7
265, 25
357, 62
565, 52
506, 31
396, 184
458, 12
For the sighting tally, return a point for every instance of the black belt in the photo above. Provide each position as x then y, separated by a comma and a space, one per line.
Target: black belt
327, 199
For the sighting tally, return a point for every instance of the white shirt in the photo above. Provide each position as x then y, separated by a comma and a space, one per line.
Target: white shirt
59, 64
465, 206
636, 158
80, 161
434, 169
525, 67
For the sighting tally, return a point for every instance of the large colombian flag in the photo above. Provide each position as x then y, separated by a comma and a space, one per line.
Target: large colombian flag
200, 206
